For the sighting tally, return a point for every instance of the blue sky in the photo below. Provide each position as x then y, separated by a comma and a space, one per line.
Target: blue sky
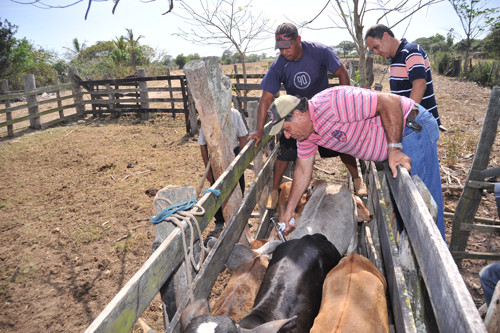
55, 29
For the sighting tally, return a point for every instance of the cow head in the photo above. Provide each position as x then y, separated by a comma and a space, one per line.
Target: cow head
196, 318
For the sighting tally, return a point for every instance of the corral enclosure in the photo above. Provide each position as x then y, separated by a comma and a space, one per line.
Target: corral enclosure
81, 188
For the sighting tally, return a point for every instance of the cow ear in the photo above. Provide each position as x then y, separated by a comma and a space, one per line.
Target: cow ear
239, 255
197, 308
269, 327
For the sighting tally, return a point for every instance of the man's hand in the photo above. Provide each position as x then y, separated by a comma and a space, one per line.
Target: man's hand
289, 221
397, 157
257, 136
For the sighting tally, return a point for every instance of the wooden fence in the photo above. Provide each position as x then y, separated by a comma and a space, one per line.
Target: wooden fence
464, 220
38, 108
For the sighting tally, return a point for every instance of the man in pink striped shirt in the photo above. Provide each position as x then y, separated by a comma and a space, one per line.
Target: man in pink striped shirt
363, 123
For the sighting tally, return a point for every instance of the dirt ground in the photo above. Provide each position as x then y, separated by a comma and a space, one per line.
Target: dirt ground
76, 202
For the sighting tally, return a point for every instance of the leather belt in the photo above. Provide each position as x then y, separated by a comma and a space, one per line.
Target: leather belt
411, 122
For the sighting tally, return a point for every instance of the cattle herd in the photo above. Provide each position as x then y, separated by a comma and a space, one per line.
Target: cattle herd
312, 282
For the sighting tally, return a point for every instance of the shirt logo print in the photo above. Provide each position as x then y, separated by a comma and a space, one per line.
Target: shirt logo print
339, 135
302, 80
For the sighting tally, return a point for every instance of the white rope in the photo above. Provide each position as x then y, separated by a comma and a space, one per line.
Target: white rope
188, 216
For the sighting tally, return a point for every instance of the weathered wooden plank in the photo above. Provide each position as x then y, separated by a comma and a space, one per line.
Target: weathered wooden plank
121, 313
216, 260
211, 91
477, 219
492, 319
476, 255
444, 283
383, 212
4, 89
36, 91
491, 229
134, 80
29, 84
470, 198
128, 110
481, 185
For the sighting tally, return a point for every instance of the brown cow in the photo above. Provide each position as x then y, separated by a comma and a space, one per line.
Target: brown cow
353, 298
237, 298
285, 189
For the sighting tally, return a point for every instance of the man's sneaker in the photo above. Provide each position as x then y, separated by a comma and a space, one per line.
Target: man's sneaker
442, 128
272, 200
359, 187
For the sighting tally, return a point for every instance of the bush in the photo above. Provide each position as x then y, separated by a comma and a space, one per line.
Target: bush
485, 73
380, 60
442, 61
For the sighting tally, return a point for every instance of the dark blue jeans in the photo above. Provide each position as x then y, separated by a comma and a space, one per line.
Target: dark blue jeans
489, 276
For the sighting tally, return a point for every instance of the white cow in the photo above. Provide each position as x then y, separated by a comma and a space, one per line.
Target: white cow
332, 210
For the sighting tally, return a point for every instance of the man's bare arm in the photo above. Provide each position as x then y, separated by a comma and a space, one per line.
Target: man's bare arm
343, 76
265, 100
391, 114
301, 180
418, 90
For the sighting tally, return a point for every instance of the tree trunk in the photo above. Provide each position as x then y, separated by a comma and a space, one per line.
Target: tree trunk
359, 36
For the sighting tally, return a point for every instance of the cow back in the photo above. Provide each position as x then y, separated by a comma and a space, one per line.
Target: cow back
293, 283
353, 299
330, 211
237, 298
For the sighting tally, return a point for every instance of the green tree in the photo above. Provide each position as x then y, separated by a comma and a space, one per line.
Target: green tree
492, 41
98, 50
76, 50
180, 61
25, 58
433, 44
475, 17
133, 43
346, 47
226, 57
120, 54
7, 40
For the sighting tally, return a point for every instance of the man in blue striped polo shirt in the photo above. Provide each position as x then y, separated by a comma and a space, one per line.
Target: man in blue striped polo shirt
410, 71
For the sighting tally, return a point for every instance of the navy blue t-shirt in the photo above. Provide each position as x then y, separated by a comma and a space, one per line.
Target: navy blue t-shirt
305, 77
408, 64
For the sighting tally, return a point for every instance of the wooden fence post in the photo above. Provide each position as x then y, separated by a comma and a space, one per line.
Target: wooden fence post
184, 92
58, 95
193, 121
471, 197
29, 85
144, 96
211, 90
8, 115
172, 104
111, 104
77, 91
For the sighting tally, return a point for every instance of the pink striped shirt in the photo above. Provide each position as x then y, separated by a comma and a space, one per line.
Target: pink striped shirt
344, 120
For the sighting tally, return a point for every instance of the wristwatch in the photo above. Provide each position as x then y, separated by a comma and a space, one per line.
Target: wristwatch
395, 145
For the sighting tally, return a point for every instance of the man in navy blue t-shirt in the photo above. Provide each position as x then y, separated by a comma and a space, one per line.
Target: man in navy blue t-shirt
303, 69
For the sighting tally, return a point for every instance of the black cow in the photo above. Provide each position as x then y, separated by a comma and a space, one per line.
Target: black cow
290, 295
293, 283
